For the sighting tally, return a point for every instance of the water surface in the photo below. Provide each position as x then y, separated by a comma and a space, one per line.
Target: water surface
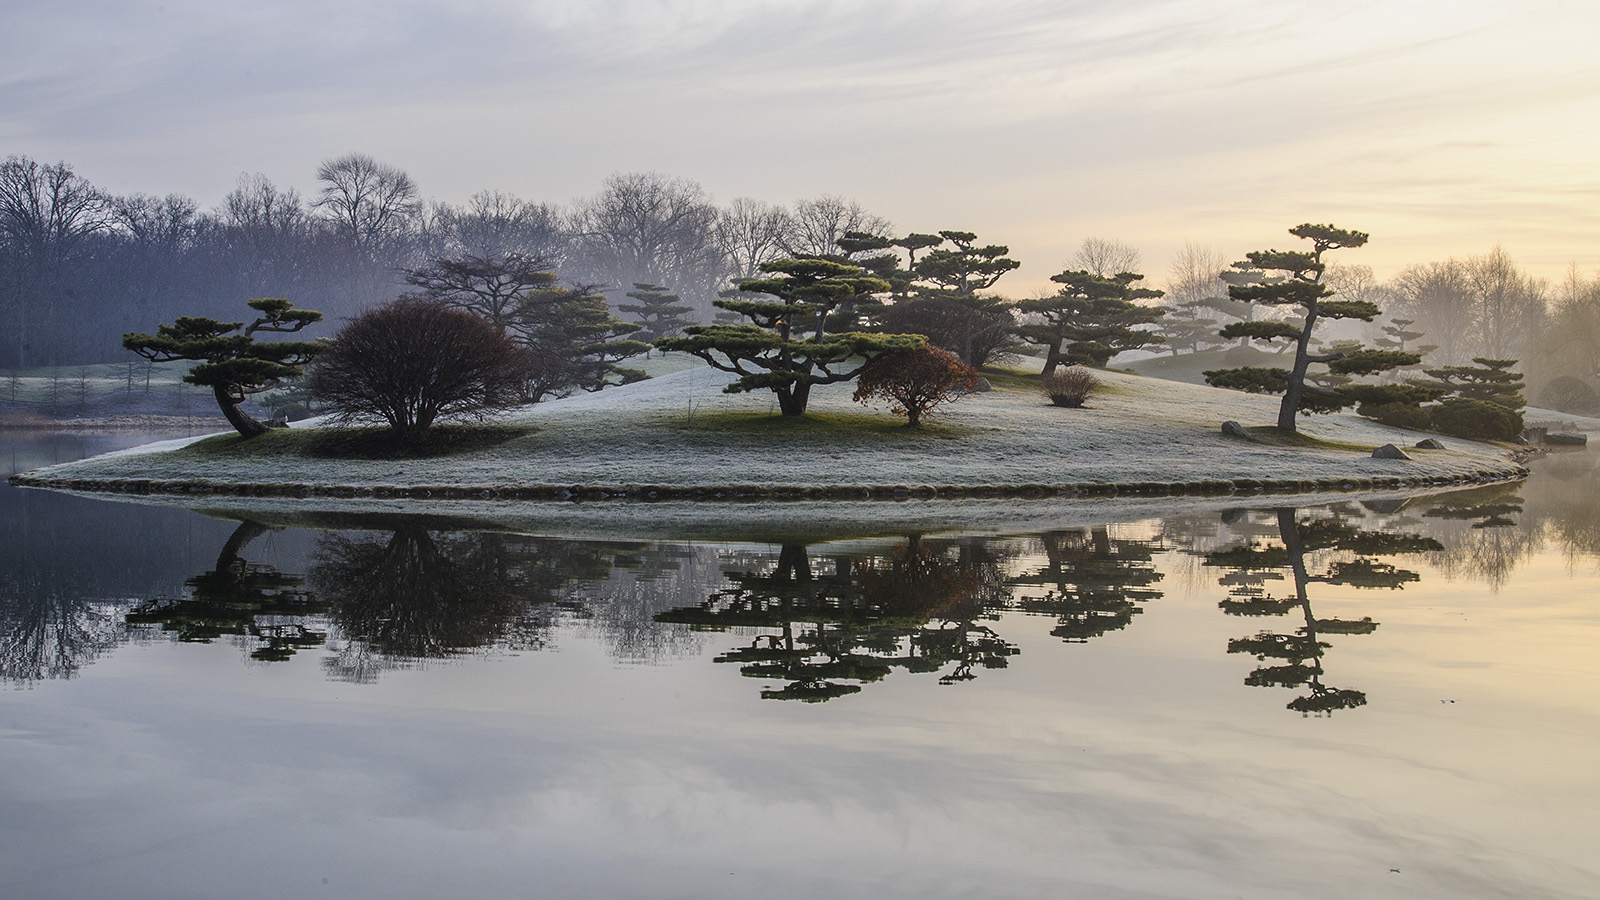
1390, 698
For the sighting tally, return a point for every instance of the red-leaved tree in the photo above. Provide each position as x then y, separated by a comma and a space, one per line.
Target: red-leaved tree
916, 381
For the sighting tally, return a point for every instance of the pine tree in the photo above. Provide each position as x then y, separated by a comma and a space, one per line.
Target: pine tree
659, 313
1301, 286
1091, 319
787, 348
234, 366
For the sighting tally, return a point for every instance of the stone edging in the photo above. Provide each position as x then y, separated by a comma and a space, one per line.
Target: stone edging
747, 492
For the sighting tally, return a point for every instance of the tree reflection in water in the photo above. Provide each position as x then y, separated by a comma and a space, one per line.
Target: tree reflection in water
49, 633
1483, 533
1093, 582
414, 596
916, 608
265, 609
831, 620
1342, 554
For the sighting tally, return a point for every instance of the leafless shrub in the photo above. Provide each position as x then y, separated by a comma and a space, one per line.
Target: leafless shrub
411, 362
1069, 386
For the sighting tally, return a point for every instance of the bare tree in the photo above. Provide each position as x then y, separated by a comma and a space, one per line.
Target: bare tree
47, 215
1193, 274
256, 204
1104, 257
371, 204
493, 223
1508, 304
817, 225
1437, 297
1352, 281
652, 228
751, 232
264, 241
412, 362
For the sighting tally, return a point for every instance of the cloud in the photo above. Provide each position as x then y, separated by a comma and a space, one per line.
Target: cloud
1024, 116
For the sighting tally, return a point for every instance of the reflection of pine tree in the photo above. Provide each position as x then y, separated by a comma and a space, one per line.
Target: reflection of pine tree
266, 609
1348, 556
914, 609
1093, 583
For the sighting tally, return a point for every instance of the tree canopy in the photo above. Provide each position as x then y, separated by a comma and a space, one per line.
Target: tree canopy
1090, 319
411, 362
233, 365
786, 348
1299, 284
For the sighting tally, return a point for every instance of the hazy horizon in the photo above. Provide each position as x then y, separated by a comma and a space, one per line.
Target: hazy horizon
1443, 130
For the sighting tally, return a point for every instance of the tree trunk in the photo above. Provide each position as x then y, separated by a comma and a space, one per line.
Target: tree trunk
792, 400
1290, 407
236, 417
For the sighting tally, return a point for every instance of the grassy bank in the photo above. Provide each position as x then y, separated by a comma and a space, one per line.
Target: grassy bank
680, 436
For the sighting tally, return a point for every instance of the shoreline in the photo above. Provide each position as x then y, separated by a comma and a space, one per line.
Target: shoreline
734, 493
677, 437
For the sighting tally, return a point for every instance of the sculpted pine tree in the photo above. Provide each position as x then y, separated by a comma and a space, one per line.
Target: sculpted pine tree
233, 365
966, 269
787, 349
574, 341
942, 301
658, 312
1091, 319
1092, 583
1302, 286
271, 611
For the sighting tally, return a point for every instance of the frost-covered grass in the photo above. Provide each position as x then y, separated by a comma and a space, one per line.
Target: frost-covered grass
1191, 367
370, 443
680, 431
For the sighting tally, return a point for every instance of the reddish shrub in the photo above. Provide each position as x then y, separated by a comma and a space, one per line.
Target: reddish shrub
916, 381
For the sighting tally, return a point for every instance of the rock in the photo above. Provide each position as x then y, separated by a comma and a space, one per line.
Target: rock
983, 387
1233, 429
1567, 438
1535, 433
1430, 444
1389, 451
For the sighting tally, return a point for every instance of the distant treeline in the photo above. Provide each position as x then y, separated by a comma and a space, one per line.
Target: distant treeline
79, 267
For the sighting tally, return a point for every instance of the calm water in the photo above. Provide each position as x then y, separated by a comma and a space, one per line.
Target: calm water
1383, 699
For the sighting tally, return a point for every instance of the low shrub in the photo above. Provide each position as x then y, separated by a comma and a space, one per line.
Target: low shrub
1069, 386
916, 381
1476, 420
1400, 415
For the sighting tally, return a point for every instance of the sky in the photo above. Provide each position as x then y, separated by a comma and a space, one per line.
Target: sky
1441, 128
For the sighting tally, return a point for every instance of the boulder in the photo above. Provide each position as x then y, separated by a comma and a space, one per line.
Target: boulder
1233, 429
1567, 438
1389, 451
983, 387
1430, 444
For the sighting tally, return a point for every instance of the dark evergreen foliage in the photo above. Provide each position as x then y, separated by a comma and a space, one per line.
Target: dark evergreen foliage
1298, 285
787, 348
1090, 319
234, 366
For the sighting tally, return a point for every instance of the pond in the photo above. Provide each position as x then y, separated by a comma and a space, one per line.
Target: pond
1381, 696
